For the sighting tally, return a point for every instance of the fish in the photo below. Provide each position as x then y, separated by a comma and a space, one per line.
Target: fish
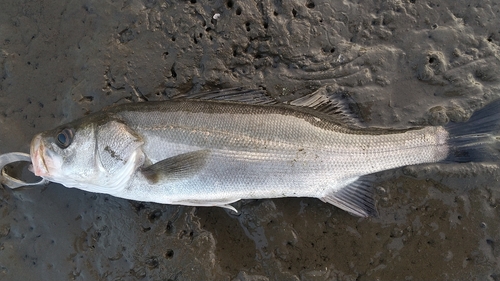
216, 148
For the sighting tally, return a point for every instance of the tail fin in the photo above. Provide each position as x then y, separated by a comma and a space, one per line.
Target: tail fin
478, 139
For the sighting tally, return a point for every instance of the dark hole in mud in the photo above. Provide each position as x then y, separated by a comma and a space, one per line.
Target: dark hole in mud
86, 99
172, 70
138, 206
169, 228
310, 5
169, 254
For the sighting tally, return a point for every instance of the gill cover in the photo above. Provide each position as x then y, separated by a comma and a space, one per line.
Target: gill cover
115, 157
116, 144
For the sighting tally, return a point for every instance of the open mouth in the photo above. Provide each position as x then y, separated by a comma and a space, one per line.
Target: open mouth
37, 152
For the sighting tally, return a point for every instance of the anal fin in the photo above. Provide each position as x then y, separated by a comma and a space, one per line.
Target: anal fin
355, 198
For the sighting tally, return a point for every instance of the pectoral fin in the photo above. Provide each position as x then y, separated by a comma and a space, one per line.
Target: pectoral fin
356, 198
178, 167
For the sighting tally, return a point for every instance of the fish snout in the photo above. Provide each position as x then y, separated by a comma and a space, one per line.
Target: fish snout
37, 152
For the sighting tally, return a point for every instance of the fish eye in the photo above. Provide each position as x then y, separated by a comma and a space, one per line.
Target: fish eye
64, 138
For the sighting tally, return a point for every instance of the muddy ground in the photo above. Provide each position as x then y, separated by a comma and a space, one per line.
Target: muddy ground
404, 63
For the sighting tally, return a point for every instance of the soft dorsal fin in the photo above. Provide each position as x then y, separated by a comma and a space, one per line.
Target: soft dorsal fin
177, 167
356, 198
239, 94
329, 104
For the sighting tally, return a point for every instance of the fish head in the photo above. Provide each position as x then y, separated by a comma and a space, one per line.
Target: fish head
95, 154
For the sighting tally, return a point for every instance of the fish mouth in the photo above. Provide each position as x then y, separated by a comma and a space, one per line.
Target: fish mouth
37, 152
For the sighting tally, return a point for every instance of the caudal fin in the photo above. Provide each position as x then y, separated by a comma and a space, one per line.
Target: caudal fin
478, 139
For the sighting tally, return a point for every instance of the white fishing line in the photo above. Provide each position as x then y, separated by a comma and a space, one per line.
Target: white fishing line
12, 182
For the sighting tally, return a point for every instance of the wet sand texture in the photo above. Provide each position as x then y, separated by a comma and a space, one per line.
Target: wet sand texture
405, 63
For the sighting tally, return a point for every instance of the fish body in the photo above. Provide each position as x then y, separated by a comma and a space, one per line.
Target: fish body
215, 152
264, 152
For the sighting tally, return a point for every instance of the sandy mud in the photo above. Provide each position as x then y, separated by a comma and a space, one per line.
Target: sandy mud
404, 63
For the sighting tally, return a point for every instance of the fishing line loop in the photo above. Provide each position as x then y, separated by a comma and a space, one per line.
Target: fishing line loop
10, 181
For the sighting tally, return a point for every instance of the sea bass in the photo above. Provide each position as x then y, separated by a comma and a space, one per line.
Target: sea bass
216, 148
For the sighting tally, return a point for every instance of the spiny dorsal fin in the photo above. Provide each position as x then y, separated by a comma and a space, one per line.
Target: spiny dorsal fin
239, 94
356, 198
327, 103
177, 167
320, 101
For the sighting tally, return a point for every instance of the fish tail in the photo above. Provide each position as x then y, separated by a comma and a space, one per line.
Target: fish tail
478, 139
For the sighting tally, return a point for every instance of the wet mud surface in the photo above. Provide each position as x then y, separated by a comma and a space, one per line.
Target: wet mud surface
404, 63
